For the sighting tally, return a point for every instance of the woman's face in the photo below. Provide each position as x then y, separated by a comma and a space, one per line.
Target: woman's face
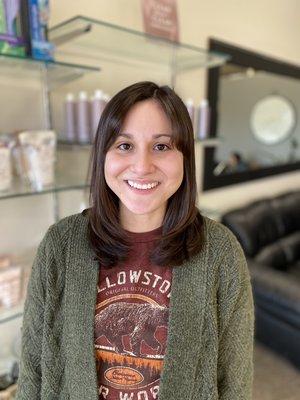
140, 156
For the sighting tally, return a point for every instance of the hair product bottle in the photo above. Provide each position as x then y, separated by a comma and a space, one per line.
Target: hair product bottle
82, 114
191, 109
70, 127
97, 105
203, 120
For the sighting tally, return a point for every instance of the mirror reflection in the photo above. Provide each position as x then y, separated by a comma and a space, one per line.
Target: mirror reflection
258, 120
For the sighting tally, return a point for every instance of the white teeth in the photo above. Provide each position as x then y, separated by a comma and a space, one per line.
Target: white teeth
138, 186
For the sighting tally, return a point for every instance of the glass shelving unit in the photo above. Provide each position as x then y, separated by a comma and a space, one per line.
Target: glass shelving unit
104, 41
56, 73
52, 74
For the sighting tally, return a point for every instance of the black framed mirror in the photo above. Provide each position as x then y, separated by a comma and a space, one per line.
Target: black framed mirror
255, 115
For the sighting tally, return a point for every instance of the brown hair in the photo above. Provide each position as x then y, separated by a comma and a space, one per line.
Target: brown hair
182, 234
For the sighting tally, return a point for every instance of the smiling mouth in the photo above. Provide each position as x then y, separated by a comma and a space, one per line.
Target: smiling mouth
140, 189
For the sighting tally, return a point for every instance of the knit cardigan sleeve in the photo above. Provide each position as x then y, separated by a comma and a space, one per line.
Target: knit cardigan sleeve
29, 381
236, 324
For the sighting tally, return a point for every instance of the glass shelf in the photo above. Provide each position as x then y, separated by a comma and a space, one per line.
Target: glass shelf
62, 183
12, 313
57, 73
67, 174
103, 40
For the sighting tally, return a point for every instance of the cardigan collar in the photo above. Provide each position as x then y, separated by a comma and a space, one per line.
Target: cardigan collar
186, 315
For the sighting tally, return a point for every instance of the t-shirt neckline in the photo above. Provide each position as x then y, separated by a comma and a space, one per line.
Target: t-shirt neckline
142, 237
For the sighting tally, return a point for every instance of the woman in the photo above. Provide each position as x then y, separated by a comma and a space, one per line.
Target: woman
139, 296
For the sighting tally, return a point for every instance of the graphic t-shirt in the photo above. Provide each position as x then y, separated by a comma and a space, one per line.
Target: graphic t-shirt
131, 323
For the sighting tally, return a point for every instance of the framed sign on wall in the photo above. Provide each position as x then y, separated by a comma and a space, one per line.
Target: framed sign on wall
160, 18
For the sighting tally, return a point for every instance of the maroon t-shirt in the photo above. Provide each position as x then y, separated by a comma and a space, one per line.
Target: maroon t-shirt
131, 323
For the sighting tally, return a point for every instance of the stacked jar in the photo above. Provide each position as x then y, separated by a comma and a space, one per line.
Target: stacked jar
6, 145
30, 155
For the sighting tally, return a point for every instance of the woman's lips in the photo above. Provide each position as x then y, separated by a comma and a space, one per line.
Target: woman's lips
142, 191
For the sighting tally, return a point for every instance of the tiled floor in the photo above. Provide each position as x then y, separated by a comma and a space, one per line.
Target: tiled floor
274, 377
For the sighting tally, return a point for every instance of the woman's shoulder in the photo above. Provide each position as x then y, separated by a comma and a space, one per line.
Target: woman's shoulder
57, 235
69, 223
217, 234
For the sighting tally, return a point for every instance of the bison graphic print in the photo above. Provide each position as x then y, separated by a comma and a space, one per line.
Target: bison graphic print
139, 321
131, 324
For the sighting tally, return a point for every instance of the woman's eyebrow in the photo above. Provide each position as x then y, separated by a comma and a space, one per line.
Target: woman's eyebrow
128, 135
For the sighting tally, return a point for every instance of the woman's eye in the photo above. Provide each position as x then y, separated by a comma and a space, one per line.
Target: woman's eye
123, 144
166, 146
127, 144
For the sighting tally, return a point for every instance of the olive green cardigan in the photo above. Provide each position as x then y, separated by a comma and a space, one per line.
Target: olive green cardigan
209, 352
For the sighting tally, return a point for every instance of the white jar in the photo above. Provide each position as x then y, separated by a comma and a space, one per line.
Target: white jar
39, 152
5, 165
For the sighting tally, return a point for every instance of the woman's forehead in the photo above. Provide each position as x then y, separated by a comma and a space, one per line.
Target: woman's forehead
147, 113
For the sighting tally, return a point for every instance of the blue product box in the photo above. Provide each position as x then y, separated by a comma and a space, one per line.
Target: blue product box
41, 49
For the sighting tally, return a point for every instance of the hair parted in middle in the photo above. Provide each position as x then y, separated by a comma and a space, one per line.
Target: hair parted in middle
182, 226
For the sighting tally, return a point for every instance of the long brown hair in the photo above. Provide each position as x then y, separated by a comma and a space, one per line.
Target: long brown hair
182, 233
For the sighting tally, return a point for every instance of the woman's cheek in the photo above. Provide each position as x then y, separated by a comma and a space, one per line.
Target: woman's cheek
175, 166
113, 164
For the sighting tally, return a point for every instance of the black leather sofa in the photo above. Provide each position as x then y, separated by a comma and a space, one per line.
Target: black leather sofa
269, 232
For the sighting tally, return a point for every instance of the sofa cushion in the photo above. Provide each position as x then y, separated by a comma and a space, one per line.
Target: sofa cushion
281, 254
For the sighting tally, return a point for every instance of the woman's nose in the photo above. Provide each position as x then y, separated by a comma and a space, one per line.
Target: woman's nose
142, 163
